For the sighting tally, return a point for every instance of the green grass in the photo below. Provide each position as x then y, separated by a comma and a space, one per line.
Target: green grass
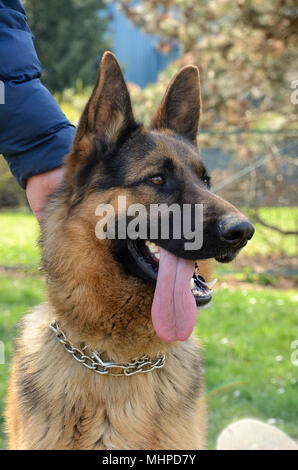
247, 334
18, 239
247, 337
17, 296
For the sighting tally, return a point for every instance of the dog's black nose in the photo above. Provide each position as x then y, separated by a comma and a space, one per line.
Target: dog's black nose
236, 231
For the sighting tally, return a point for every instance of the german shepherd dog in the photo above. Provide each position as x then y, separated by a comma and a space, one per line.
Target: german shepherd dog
109, 361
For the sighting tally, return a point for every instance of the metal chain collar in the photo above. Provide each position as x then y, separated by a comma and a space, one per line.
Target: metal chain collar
94, 362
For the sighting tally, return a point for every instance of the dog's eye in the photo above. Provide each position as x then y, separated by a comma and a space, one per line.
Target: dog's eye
157, 179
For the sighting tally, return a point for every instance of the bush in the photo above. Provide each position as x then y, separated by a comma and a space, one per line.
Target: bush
11, 194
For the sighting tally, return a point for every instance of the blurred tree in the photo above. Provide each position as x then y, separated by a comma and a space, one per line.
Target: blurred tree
246, 51
69, 36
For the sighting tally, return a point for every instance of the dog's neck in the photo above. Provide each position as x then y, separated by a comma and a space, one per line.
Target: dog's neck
105, 316
95, 301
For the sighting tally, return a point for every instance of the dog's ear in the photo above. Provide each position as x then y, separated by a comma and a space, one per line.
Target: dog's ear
106, 119
181, 105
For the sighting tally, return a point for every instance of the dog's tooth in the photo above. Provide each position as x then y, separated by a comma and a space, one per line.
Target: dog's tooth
192, 283
211, 283
153, 247
199, 293
149, 245
157, 255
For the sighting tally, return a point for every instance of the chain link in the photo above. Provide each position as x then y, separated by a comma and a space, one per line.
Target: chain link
94, 362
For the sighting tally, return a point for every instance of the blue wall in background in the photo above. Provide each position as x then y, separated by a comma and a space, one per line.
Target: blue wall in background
136, 51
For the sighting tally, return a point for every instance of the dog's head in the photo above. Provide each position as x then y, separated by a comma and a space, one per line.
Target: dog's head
119, 162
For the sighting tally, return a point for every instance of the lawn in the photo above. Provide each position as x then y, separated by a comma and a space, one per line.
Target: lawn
246, 333
18, 239
17, 295
247, 338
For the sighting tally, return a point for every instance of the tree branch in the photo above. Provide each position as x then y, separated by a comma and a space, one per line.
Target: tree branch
258, 219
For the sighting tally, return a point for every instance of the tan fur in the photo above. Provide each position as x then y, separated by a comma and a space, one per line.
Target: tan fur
81, 410
53, 401
109, 412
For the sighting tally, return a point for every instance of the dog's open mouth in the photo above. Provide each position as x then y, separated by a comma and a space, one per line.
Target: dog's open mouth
147, 255
179, 289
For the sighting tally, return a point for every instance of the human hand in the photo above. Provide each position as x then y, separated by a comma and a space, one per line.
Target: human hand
40, 187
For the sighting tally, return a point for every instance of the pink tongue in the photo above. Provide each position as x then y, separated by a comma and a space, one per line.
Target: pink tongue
174, 307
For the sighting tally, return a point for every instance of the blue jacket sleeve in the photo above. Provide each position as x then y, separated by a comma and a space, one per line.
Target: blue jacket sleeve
34, 133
